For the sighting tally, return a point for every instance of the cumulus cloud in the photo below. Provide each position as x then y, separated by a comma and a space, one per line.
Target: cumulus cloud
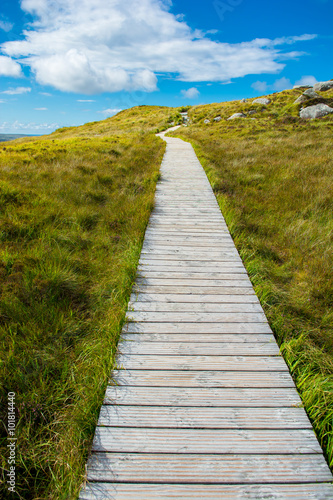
191, 93
94, 46
17, 91
86, 100
5, 25
110, 111
40, 109
9, 67
280, 84
32, 126
260, 86
306, 80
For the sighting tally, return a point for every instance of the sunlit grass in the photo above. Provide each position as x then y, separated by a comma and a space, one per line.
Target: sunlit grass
74, 208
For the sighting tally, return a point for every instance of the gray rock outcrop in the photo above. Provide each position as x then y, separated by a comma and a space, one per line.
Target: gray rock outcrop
302, 87
217, 119
243, 100
261, 100
236, 115
316, 111
323, 86
308, 94
206, 121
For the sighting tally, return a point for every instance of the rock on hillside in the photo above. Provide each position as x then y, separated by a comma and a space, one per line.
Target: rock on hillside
261, 100
237, 115
308, 94
316, 111
323, 86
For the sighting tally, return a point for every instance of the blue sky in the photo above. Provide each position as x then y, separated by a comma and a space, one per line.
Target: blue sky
68, 62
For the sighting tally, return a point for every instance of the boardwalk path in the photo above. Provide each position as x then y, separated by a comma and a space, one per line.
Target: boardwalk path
205, 407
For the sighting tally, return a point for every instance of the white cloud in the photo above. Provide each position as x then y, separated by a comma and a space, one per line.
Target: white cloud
110, 111
282, 84
306, 80
191, 93
94, 46
5, 25
35, 127
260, 86
9, 67
40, 109
47, 94
17, 91
86, 100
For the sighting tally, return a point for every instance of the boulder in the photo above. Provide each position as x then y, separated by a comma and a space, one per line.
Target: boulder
206, 121
243, 100
311, 94
308, 94
302, 87
316, 111
217, 119
236, 115
261, 100
302, 98
322, 86
253, 112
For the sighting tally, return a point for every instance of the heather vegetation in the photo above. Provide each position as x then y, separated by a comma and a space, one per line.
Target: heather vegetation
74, 208
272, 174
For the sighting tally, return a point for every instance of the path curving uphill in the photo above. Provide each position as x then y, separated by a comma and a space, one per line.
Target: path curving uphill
204, 407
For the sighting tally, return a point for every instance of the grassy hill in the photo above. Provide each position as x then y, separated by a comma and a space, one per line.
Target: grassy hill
74, 208
75, 205
272, 174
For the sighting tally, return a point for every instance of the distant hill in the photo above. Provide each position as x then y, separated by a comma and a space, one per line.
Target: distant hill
12, 137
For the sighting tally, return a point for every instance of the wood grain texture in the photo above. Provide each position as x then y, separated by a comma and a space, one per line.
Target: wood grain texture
146, 491
202, 396
227, 469
203, 417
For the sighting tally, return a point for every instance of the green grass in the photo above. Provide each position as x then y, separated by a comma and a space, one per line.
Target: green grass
273, 179
75, 206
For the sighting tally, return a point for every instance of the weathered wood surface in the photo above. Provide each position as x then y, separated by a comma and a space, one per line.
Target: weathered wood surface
201, 405
146, 491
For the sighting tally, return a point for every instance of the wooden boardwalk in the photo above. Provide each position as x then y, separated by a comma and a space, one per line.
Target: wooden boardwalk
203, 405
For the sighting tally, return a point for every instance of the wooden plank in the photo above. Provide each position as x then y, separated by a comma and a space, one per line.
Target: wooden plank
159, 267
209, 378
226, 289
209, 469
197, 417
235, 282
189, 264
202, 396
200, 348
181, 275
199, 363
225, 441
203, 328
198, 337
135, 491
196, 307
188, 317
173, 298
223, 255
